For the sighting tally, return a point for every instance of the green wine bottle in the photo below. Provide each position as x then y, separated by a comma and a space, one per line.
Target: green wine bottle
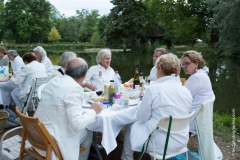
10, 70
136, 80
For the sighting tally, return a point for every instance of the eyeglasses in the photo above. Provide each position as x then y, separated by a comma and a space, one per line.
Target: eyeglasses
185, 64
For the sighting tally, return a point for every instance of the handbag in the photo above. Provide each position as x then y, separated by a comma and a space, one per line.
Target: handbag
145, 145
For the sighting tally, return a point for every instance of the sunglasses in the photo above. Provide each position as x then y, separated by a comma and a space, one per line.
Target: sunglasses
185, 64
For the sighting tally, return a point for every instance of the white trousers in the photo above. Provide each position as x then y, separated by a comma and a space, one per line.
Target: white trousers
5, 92
127, 153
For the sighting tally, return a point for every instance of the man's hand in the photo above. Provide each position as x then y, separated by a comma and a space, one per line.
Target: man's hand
97, 107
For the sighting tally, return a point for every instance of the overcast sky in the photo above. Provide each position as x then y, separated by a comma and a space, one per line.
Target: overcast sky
68, 7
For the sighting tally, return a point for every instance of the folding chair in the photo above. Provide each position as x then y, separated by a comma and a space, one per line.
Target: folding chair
32, 97
178, 125
203, 120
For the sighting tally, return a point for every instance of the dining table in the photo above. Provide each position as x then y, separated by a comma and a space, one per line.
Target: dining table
110, 122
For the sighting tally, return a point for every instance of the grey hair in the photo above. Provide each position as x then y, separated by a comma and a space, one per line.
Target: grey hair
41, 51
12, 53
76, 72
161, 50
102, 53
66, 57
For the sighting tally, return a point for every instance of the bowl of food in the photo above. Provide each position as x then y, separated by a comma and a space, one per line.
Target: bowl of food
131, 93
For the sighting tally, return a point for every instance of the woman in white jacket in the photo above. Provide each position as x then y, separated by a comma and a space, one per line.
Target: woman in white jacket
165, 97
23, 79
198, 83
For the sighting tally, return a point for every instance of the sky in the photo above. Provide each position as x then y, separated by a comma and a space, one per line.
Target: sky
69, 7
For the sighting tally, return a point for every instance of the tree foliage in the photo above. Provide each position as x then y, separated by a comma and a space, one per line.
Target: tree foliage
183, 22
227, 21
127, 20
27, 19
53, 35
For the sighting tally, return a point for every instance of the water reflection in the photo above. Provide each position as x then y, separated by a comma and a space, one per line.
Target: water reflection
224, 75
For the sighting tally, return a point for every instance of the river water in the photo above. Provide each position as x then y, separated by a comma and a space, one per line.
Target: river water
223, 72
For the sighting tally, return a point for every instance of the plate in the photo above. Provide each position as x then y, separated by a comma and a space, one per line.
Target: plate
133, 102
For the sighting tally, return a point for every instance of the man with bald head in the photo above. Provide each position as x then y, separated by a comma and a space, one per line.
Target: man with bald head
60, 110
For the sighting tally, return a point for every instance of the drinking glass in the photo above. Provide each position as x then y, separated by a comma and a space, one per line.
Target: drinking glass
99, 91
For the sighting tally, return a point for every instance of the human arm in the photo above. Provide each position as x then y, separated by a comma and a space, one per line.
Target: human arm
48, 66
73, 102
88, 85
193, 84
20, 77
144, 111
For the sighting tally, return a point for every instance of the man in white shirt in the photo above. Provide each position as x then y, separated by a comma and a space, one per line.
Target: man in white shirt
42, 58
60, 110
16, 60
157, 53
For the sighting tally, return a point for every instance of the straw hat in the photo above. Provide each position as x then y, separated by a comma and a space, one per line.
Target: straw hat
3, 120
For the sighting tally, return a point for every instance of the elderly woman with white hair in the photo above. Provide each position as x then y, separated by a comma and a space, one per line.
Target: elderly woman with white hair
165, 97
104, 60
42, 58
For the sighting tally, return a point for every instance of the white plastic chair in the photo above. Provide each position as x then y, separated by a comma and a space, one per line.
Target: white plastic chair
207, 148
40, 88
178, 125
33, 93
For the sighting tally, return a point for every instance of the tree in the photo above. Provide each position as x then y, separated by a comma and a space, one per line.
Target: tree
95, 39
53, 35
127, 20
226, 20
27, 19
1, 17
183, 22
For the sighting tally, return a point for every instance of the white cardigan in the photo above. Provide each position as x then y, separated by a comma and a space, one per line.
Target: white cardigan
165, 97
60, 110
26, 75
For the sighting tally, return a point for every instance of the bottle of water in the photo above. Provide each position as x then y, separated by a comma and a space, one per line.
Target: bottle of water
117, 82
1, 70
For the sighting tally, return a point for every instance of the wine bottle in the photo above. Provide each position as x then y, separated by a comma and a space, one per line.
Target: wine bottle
10, 70
136, 80
141, 76
111, 92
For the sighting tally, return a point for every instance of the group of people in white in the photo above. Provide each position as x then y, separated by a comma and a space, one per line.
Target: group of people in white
60, 107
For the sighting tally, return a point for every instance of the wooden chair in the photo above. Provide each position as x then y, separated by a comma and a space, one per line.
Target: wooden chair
35, 132
183, 80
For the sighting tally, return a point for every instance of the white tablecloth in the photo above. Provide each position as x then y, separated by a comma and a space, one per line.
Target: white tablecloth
110, 123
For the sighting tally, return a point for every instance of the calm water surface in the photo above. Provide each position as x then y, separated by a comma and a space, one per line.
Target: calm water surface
224, 74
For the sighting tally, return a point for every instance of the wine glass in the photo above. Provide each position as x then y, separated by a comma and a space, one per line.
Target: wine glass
99, 91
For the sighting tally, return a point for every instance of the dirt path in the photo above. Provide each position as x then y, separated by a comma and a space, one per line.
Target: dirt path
225, 146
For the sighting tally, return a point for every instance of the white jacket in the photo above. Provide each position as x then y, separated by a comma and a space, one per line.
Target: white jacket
48, 66
26, 75
17, 64
60, 110
200, 86
165, 97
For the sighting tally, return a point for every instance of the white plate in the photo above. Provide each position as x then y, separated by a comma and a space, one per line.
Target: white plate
133, 102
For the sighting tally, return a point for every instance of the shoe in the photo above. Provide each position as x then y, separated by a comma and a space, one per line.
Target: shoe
100, 147
193, 133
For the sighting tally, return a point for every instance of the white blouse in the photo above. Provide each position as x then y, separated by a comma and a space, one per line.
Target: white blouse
200, 86
92, 76
165, 97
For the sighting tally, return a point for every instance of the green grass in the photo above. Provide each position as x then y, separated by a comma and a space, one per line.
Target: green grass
223, 126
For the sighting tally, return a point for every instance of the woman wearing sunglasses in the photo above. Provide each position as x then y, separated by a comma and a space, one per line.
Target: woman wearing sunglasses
198, 83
